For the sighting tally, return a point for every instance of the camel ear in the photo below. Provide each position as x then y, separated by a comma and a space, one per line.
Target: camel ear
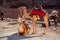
18, 8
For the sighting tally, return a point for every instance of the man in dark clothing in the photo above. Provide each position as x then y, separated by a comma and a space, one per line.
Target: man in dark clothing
2, 15
54, 16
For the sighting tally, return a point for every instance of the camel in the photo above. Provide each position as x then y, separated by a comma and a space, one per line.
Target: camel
23, 11
22, 26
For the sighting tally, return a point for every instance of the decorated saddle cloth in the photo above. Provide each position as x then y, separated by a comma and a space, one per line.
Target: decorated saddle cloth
37, 12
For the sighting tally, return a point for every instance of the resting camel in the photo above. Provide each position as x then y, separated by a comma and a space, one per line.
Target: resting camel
23, 11
22, 26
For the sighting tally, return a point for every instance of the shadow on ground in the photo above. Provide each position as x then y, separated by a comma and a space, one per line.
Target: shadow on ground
16, 37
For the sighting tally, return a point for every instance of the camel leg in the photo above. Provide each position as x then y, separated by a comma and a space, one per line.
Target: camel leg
55, 21
34, 24
46, 23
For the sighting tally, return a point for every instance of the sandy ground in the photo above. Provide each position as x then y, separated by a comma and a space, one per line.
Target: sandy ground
8, 31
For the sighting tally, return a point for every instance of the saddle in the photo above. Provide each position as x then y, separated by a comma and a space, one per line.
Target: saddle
37, 12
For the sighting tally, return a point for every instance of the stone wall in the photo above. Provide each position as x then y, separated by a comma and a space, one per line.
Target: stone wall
12, 13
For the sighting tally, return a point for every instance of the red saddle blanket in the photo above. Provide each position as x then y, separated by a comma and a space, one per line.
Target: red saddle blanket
37, 12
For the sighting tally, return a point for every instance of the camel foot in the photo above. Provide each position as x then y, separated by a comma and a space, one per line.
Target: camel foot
44, 33
33, 33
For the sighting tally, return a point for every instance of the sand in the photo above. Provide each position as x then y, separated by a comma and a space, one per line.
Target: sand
8, 31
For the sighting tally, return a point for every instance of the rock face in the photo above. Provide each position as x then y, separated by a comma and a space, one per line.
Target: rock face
12, 13
51, 3
8, 6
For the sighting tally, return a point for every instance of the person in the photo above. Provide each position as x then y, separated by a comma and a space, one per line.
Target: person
54, 13
2, 15
54, 16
